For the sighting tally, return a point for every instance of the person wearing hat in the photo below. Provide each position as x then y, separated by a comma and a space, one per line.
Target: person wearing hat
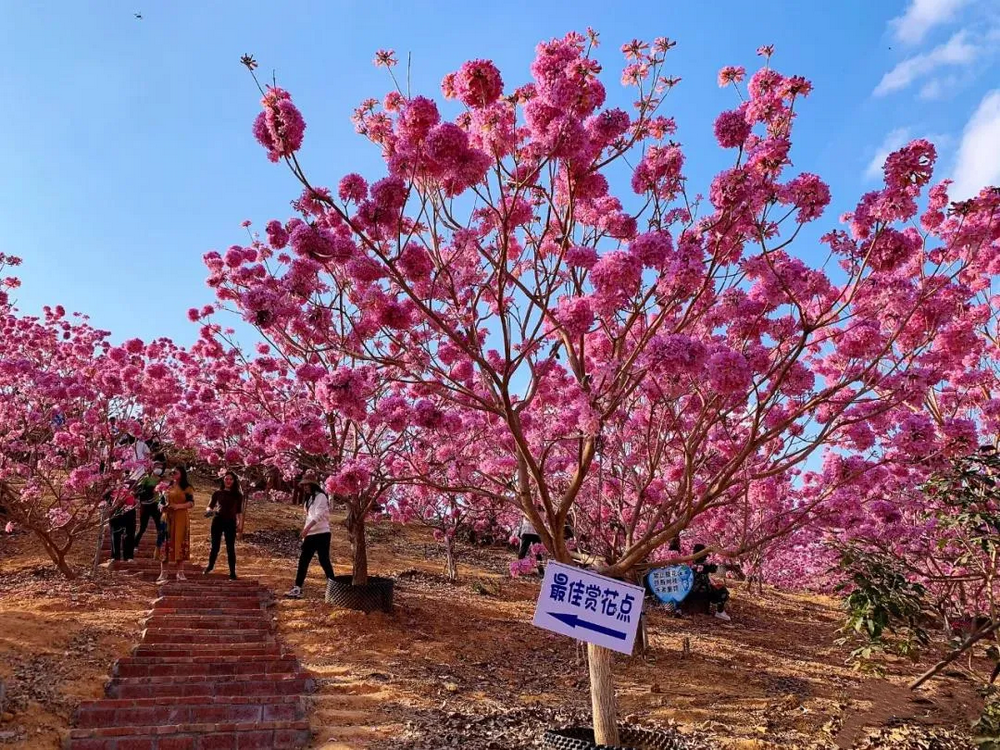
315, 534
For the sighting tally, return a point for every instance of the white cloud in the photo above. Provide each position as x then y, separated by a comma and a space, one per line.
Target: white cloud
894, 140
956, 51
940, 87
923, 15
978, 162
933, 89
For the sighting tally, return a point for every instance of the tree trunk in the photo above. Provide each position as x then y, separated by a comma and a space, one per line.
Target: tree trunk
449, 551
643, 635
64, 568
359, 548
602, 695
100, 544
58, 556
243, 516
969, 642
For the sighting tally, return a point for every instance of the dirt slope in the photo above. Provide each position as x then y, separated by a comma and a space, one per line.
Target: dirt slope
460, 665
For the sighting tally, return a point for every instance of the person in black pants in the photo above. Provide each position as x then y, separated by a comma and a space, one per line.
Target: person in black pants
528, 537
315, 534
149, 508
227, 505
122, 525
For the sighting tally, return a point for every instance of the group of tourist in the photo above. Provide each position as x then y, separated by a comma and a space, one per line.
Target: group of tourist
168, 509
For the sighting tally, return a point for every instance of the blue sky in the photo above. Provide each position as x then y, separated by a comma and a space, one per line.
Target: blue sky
127, 150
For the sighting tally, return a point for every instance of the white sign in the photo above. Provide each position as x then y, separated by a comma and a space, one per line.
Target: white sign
589, 607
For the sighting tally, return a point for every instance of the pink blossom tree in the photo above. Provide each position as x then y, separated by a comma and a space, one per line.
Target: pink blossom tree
452, 486
299, 398
494, 269
67, 396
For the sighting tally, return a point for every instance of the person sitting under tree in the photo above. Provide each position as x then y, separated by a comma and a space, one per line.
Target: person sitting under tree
706, 587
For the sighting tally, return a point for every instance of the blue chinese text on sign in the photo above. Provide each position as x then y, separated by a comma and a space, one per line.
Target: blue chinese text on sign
589, 607
670, 585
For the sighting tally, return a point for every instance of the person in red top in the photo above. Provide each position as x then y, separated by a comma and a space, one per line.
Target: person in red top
227, 507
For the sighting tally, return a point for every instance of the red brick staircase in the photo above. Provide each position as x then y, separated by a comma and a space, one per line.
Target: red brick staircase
208, 674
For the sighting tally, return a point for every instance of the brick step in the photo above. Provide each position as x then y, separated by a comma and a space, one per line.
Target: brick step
148, 538
198, 585
143, 553
180, 603
166, 634
261, 665
155, 712
239, 602
139, 554
211, 609
226, 685
208, 622
147, 564
182, 637
279, 735
206, 657
195, 700
148, 543
206, 650
212, 598
152, 576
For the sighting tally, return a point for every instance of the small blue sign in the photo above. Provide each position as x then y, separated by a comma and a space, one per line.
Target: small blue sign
670, 585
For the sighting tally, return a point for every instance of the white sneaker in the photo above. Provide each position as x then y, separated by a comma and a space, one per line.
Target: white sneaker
724, 616
162, 579
181, 576
295, 592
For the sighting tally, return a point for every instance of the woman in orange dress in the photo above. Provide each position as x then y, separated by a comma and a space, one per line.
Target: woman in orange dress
179, 501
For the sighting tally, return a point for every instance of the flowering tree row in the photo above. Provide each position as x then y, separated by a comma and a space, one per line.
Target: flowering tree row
68, 398
650, 360
532, 314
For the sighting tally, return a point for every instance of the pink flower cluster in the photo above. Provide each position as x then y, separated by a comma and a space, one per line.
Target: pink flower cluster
279, 128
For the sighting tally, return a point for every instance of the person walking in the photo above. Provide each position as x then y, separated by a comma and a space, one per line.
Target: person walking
140, 457
145, 494
122, 526
528, 537
227, 506
315, 534
179, 501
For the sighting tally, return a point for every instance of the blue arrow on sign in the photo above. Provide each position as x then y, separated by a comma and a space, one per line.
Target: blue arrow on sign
576, 622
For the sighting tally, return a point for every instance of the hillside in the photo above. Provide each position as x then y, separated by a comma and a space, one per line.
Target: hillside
461, 666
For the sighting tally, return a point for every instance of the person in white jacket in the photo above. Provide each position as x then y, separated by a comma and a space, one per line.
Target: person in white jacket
528, 536
315, 534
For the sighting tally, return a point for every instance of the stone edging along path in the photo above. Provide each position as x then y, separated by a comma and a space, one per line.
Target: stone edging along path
208, 674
